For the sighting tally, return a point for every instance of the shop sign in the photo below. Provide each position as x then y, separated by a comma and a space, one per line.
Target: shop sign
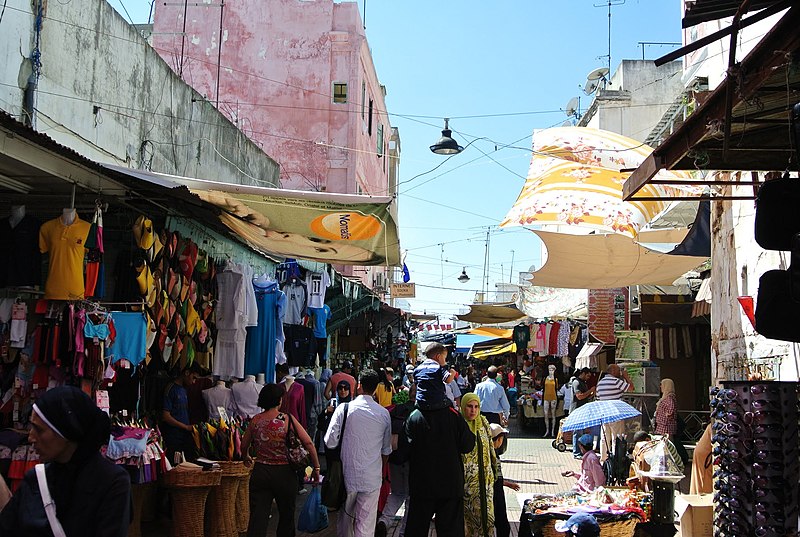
403, 290
633, 346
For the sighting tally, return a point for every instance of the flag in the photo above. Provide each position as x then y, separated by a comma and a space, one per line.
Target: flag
406, 274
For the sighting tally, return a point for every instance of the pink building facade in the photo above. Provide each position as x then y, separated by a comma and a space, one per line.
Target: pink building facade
297, 78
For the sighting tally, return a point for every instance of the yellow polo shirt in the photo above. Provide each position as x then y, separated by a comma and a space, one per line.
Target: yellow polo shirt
67, 248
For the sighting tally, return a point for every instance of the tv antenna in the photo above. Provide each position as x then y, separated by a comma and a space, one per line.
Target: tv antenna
610, 3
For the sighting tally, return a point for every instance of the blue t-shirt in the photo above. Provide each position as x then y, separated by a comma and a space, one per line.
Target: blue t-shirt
321, 316
430, 378
176, 402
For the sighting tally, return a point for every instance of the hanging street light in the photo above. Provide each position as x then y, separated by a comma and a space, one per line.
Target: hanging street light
446, 145
463, 278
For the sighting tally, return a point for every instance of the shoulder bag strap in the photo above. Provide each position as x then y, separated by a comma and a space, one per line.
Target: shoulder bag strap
344, 424
49, 505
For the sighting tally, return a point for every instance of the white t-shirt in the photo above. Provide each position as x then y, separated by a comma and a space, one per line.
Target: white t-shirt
317, 283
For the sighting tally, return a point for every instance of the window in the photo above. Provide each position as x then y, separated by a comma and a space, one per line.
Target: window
379, 143
369, 121
339, 92
363, 99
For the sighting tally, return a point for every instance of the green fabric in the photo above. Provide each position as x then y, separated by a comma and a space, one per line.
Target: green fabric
465, 400
479, 478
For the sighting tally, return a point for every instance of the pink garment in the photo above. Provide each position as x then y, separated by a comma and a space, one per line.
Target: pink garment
294, 403
541, 337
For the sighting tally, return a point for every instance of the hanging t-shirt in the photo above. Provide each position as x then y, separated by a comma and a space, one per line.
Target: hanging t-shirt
297, 300
131, 340
522, 334
231, 302
317, 283
67, 248
321, 316
24, 268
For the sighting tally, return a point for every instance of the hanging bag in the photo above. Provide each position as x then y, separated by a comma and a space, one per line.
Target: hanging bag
313, 515
296, 453
333, 490
49, 504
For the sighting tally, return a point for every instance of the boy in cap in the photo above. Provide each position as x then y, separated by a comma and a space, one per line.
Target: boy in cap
431, 376
500, 442
580, 525
591, 475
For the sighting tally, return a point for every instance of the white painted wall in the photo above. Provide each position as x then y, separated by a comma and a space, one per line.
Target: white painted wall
107, 94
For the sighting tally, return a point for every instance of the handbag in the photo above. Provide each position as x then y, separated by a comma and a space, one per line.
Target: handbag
296, 453
333, 489
49, 504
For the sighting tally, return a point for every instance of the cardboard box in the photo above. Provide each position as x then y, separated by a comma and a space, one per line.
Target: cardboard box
696, 514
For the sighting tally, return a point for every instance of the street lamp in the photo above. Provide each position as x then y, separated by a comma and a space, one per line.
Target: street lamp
463, 278
446, 145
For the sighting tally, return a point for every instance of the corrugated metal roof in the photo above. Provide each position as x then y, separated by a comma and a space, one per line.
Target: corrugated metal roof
707, 10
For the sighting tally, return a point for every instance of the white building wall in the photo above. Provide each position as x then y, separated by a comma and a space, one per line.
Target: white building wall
104, 92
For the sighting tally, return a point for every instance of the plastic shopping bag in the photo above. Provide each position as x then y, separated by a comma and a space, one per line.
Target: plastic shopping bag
314, 515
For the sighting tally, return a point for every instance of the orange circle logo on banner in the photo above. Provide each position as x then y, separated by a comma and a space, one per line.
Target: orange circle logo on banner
346, 226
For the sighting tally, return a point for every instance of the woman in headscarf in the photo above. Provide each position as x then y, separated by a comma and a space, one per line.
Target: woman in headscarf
385, 391
667, 410
479, 472
91, 494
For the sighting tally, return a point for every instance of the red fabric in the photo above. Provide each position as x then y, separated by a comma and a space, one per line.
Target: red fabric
294, 403
386, 488
92, 271
552, 345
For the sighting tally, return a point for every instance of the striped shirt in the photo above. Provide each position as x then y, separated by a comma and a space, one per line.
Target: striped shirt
610, 388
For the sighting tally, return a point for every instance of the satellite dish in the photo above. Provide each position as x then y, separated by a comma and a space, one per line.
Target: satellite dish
572, 106
567, 123
590, 87
598, 74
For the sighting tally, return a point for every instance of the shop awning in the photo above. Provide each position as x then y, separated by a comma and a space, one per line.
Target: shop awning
586, 355
540, 302
490, 331
492, 314
482, 351
464, 342
608, 261
743, 125
341, 229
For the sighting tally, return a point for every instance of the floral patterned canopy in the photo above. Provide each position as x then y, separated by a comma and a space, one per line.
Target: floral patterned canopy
574, 180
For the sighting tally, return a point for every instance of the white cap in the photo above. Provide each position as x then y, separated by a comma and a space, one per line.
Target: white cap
496, 430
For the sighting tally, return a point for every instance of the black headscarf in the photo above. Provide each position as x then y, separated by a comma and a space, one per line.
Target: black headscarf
344, 384
74, 416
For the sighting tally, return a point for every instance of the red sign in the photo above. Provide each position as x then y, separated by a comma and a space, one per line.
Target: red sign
608, 312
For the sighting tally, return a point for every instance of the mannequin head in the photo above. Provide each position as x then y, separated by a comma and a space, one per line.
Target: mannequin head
551, 371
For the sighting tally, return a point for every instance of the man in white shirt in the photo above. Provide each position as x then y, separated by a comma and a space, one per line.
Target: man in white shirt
366, 445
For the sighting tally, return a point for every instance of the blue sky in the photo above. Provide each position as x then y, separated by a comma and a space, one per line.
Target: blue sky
499, 70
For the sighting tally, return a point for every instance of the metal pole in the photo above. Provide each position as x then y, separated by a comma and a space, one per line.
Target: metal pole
511, 272
219, 49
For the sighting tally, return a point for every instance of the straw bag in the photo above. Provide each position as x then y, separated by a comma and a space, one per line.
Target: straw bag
296, 453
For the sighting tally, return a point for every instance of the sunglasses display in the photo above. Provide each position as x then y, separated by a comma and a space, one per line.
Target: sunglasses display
756, 458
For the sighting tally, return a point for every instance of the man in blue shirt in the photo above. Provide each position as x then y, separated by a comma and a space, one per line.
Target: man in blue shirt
494, 403
176, 429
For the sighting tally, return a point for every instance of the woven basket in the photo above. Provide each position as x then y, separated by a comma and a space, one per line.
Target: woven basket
189, 490
243, 503
222, 501
622, 528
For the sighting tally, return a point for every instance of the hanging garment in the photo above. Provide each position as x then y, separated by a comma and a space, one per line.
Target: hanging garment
131, 340
231, 300
229, 353
317, 283
297, 301
66, 246
294, 402
287, 270
552, 341
541, 339
250, 301
261, 339
24, 268
280, 354
301, 345
563, 339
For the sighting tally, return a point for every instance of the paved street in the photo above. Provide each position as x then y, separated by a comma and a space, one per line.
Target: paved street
530, 460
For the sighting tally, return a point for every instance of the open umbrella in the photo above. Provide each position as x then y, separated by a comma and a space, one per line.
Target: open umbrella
598, 413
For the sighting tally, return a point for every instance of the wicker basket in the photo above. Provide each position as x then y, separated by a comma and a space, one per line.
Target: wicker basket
243, 503
621, 528
222, 501
189, 490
